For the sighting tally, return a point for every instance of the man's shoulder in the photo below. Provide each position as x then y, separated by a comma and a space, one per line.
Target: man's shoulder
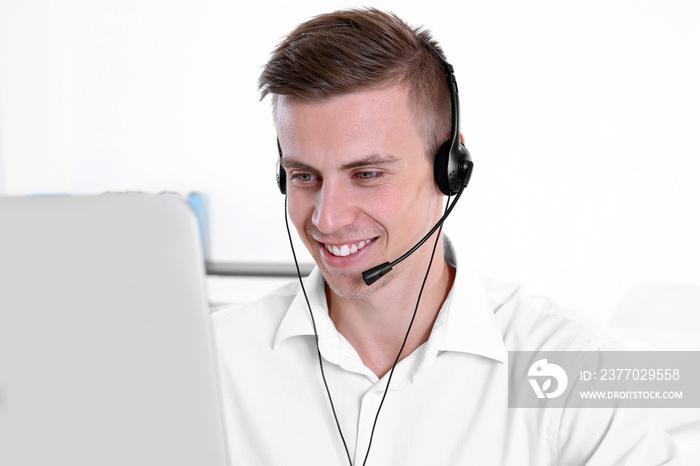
530, 322
266, 311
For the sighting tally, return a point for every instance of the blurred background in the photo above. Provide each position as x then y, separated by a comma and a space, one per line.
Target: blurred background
582, 119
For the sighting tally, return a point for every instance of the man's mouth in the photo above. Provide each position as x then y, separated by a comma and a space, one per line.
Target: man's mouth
342, 250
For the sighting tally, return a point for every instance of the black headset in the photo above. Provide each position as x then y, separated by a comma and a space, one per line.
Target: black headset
453, 165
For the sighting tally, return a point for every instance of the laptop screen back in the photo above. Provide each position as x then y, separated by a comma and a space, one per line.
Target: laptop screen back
106, 355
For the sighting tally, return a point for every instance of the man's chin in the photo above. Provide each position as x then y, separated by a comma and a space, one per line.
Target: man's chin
352, 286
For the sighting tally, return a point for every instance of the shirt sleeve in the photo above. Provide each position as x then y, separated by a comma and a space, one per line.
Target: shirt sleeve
613, 436
597, 436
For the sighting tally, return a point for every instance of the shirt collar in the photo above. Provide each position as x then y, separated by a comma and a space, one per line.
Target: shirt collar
297, 321
466, 323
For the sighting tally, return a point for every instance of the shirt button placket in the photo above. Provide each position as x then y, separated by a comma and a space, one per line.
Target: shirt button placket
368, 412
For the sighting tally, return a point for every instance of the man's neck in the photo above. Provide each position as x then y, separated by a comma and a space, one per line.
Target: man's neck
376, 325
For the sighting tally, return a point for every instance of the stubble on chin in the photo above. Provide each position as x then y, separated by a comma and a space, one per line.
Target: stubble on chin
357, 290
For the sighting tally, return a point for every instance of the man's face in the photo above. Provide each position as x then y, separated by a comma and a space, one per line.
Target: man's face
360, 186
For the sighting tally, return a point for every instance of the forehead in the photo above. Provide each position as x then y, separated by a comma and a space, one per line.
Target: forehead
360, 123
361, 108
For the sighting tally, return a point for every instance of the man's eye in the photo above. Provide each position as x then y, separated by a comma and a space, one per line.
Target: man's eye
303, 176
367, 175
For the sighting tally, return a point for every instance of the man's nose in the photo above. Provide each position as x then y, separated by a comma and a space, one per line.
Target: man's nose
335, 207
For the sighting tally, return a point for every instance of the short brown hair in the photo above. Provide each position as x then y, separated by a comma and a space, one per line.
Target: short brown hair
351, 50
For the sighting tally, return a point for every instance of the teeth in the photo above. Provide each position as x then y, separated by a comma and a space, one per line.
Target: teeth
347, 249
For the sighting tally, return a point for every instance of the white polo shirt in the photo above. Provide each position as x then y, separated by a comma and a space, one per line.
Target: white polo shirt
447, 403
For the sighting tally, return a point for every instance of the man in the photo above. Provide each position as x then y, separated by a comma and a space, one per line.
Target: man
361, 106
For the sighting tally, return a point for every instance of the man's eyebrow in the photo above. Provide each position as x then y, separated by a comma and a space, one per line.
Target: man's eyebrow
293, 164
373, 159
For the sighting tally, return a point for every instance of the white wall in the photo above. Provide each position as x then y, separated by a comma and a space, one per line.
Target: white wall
582, 119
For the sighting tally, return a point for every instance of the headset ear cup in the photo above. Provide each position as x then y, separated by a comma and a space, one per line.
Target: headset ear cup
281, 177
441, 167
280, 171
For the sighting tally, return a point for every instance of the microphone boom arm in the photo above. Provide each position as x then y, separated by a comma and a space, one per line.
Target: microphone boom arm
375, 273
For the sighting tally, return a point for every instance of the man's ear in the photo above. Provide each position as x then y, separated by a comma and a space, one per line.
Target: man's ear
461, 137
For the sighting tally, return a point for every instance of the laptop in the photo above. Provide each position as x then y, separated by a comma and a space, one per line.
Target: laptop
106, 352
